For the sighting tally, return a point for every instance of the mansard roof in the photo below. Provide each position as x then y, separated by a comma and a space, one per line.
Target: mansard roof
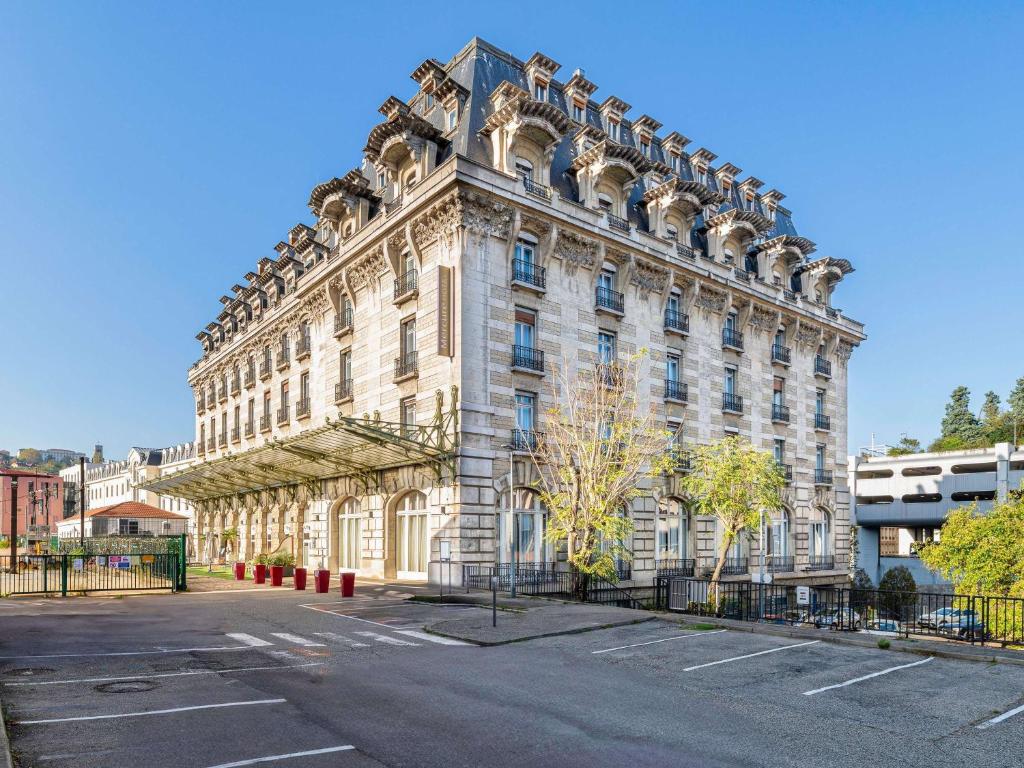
682, 189
755, 221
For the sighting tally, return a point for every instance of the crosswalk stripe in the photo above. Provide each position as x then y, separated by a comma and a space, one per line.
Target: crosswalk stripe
297, 640
385, 639
430, 638
335, 637
241, 637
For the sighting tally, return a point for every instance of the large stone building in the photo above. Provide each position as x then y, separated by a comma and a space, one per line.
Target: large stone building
359, 393
902, 501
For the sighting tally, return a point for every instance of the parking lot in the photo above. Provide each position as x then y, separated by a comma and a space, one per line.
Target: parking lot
296, 679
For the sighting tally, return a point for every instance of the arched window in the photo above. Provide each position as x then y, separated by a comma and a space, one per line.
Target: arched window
524, 168
819, 540
778, 541
412, 539
673, 534
524, 539
604, 202
350, 534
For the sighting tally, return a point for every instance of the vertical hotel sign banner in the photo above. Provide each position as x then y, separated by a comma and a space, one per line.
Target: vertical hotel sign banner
444, 311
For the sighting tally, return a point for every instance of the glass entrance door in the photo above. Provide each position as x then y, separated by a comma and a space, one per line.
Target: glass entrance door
413, 546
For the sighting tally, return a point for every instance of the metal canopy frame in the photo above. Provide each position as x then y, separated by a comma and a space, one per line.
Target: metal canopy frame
346, 446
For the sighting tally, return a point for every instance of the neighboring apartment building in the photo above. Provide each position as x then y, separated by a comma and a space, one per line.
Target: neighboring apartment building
357, 394
40, 503
126, 518
902, 501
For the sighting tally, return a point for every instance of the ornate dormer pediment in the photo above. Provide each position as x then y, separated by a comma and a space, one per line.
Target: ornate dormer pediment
401, 124
674, 142
450, 94
701, 161
734, 218
428, 75
578, 92
540, 69
607, 161
523, 126
338, 199
685, 198
646, 125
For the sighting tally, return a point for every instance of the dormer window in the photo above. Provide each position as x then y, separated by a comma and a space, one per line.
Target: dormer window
673, 162
540, 90
604, 202
673, 233
429, 102
577, 113
613, 130
382, 179
453, 119
645, 148
524, 169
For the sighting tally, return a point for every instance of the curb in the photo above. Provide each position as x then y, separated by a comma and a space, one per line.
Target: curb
577, 631
839, 638
6, 759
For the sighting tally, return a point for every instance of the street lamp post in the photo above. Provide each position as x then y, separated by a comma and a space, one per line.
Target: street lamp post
512, 518
760, 558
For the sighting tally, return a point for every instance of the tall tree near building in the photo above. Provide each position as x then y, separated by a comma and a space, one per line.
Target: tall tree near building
960, 427
990, 410
600, 444
733, 481
905, 446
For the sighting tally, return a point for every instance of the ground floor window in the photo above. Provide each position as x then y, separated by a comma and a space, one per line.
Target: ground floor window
672, 530
412, 540
350, 534
819, 542
524, 541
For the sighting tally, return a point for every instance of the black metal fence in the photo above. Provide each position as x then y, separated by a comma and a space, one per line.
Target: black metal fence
967, 618
532, 579
61, 574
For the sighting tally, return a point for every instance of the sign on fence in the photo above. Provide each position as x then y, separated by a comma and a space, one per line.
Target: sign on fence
803, 595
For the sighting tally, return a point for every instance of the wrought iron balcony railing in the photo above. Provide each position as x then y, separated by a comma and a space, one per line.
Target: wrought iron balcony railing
264, 423
822, 367
284, 358
303, 347
781, 354
788, 295
527, 358
676, 567
606, 298
343, 322
302, 408
780, 412
343, 390
211, 443
822, 422
676, 390
534, 188
823, 477
265, 368
787, 471
250, 429
524, 440
821, 562
222, 394
732, 403
283, 414
236, 435
615, 222
405, 284
236, 385
686, 252
677, 321
681, 459
222, 440
780, 563
735, 566
529, 274
741, 274
250, 377
732, 338
200, 449
200, 405
406, 365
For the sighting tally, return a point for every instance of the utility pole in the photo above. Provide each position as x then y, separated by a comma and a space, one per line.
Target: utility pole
14, 525
81, 500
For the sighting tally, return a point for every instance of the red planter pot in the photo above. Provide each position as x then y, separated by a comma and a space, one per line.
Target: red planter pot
348, 584
300, 578
259, 573
322, 580
276, 575
239, 571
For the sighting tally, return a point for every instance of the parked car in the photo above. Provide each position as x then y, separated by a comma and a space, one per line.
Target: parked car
931, 620
838, 618
884, 627
964, 625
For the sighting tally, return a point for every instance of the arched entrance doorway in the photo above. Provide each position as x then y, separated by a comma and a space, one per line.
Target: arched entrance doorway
346, 536
412, 544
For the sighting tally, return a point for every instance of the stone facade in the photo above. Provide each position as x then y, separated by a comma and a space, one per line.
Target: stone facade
496, 194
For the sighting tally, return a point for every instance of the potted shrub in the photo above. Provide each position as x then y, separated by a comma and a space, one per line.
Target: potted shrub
286, 561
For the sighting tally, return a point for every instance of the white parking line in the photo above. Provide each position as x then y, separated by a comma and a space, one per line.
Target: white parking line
346, 616
654, 642
165, 674
275, 758
999, 718
129, 653
386, 639
335, 637
429, 638
749, 655
151, 712
289, 637
868, 677
249, 640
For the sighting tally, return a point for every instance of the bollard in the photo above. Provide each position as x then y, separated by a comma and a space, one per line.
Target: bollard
259, 573
276, 575
322, 580
348, 584
300, 578
239, 571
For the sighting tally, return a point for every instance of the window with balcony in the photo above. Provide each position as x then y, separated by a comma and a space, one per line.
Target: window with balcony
283, 412
407, 409
778, 543
406, 282
525, 270
265, 418
343, 389
730, 400
236, 431
407, 363
250, 420
606, 348
223, 441
822, 366
607, 298
731, 336
780, 352
524, 169
676, 321
780, 412
525, 355
675, 389
524, 437
819, 541
302, 407
283, 353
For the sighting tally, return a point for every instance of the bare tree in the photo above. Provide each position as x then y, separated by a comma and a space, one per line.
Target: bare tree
600, 442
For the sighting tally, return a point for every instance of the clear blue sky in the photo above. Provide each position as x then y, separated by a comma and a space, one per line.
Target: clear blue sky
151, 153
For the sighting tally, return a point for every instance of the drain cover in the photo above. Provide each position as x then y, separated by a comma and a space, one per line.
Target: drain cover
126, 686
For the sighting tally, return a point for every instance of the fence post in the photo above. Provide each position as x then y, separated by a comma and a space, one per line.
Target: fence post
46, 567
64, 575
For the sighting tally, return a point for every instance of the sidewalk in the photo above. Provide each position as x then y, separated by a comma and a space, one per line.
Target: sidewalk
530, 618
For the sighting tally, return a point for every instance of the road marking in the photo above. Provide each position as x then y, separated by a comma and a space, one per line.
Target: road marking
166, 674
346, 616
386, 639
249, 640
297, 640
749, 655
430, 638
130, 653
334, 636
152, 712
654, 642
275, 758
868, 677
999, 718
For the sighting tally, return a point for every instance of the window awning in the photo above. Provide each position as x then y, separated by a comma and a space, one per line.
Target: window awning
346, 446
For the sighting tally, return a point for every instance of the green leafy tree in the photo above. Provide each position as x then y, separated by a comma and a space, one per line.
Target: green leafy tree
1016, 399
598, 449
898, 591
905, 446
28, 456
733, 482
990, 410
228, 541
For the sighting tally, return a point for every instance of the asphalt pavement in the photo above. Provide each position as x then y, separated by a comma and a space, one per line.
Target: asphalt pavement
231, 679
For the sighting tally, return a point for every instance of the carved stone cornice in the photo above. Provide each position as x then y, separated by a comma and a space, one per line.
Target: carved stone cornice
476, 213
576, 250
843, 351
808, 335
648, 277
710, 299
363, 273
764, 320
